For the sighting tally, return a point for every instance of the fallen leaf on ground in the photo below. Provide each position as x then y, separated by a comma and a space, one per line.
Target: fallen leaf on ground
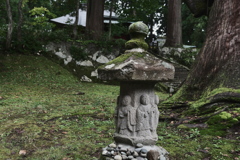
22, 152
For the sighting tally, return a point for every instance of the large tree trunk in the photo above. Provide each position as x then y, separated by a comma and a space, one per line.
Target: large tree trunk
75, 25
94, 26
218, 63
10, 25
174, 24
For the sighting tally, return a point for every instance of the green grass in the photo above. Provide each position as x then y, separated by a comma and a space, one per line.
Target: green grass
42, 113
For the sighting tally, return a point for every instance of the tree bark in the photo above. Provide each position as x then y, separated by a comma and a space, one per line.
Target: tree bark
10, 25
174, 24
75, 25
94, 26
20, 22
218, 63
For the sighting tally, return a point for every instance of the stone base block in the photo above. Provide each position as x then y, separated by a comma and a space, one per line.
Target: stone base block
133, 141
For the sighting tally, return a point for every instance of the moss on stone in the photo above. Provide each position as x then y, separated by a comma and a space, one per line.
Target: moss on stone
138, 27
136, 43
124, 57
208, 95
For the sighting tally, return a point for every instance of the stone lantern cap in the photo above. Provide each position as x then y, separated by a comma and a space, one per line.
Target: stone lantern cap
138, 27
136, 64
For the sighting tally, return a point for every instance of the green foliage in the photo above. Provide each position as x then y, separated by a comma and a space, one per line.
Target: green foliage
78, 53
193, 29
149, 11
224, 118
186, 57
54, 35
41, 16
119, 30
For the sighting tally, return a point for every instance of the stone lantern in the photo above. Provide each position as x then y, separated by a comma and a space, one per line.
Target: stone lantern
136, 113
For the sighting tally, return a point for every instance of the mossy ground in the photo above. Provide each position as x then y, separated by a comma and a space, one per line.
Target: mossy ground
51, 115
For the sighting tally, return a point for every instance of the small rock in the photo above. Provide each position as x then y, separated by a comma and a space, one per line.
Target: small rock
85, 79
128, 153
22, 152
109, 149
85, 63
130, 157
104, 153
152, 155
162, 157
124, 157
112, 145
94, 73
95, 55
143, 155
138, 150
143, 151
118, 157
139, 145
140, 158
60, 54
123, 150
67, 60
123, 153
135, 154
102, 59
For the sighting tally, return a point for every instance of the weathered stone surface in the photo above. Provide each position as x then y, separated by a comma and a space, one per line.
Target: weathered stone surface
137, 65
95, 55
86, 63
94, 73
68, 60
102, 59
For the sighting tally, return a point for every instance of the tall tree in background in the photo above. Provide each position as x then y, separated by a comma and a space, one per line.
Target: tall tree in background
110, 18
75, 25
20, 21
174, 24
218, 63
94, 24
10, 25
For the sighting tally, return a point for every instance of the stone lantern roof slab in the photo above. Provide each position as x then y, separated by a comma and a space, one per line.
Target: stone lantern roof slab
137, 65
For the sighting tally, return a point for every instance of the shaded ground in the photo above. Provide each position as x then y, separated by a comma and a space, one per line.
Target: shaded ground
48, 114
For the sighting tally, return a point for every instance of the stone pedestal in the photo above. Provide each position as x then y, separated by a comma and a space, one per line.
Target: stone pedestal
136, 114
